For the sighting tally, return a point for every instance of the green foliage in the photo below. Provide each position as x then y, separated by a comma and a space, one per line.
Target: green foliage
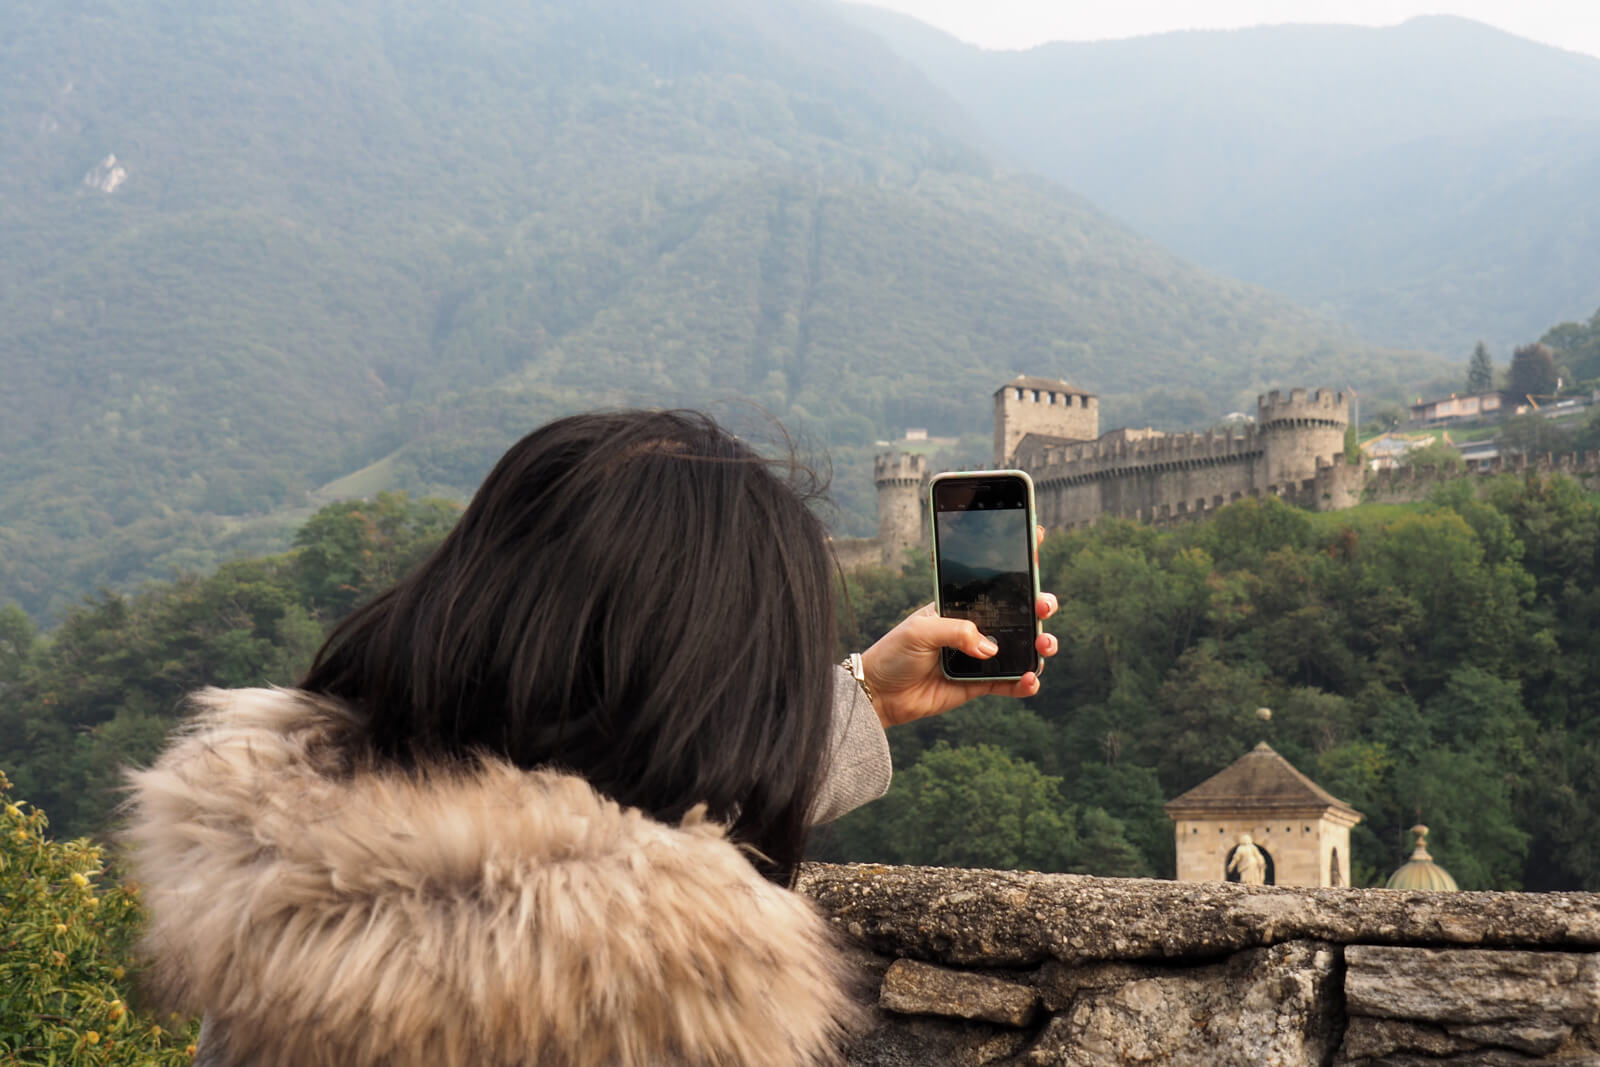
1436, 457
1438, 662
348, 550
67, 930
1533, 435
1533, 371
1480, 370
1576, 345
979, 807
102, 689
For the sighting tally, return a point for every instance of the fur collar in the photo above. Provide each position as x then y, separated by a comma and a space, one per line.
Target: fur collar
322, 913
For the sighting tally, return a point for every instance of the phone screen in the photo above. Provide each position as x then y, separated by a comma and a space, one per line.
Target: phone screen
983, 544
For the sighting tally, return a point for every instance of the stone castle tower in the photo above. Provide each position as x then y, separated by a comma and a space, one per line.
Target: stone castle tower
1045, 406
900, 478
1299, 431
1302, 829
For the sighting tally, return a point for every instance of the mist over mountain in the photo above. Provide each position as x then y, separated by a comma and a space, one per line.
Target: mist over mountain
1430, 183
251, 248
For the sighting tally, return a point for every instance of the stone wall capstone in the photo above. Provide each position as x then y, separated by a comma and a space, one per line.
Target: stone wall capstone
998, 967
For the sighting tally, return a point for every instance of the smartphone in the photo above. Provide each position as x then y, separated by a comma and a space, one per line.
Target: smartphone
985, 569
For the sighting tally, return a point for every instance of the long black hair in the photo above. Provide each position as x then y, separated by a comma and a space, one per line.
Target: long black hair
636, 597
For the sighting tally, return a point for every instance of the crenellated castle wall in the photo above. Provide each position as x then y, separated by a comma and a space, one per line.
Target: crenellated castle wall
1409, 484
1295, 450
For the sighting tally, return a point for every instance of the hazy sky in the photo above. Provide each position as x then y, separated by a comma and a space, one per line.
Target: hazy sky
1572, 24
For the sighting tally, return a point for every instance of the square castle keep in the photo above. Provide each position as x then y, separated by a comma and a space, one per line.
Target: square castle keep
1294, 450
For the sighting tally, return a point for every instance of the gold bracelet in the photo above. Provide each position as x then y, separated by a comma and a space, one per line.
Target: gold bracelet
858, 671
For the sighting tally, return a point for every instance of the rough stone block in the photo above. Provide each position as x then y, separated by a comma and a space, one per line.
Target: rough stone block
1476, 1058
1263, 1006
913, 988
919, 1041
1466, 986
1016, 919
1366, 1038
1538, 1036
1060, 983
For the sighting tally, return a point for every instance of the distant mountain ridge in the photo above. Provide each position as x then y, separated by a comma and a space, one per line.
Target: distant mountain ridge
1430, 183
356, 230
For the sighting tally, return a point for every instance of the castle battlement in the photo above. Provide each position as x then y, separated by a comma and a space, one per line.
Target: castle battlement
898, 468
1130, 451
1302, 407
1410, 480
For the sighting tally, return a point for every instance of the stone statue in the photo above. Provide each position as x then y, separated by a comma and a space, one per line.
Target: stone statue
1249, 862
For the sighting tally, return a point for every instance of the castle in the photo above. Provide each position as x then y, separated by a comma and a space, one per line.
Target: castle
1294, 450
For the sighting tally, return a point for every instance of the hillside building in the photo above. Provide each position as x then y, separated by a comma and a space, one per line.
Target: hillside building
1455, 408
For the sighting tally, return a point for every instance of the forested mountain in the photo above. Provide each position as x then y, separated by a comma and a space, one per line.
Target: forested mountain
1431, 183
248, 248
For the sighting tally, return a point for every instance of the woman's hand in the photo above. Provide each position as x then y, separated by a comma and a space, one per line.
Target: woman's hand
904, 673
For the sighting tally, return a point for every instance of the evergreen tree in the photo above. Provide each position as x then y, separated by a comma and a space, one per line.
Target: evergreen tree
1480, 371
1533, 371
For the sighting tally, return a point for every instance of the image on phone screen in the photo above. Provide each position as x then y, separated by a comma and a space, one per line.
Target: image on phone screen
984, 566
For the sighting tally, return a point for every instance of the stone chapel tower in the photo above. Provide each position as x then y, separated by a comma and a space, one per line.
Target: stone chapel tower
1301, 828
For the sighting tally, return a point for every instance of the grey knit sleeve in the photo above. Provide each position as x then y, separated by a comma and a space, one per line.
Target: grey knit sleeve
858, 767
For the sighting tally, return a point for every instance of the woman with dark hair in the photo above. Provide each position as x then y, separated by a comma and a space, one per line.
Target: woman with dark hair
540, 802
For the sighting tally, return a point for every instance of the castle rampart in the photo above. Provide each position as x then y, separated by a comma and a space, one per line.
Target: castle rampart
1410, 483
1291, 451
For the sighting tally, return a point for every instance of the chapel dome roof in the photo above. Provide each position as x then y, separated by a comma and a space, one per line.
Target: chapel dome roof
1420, 872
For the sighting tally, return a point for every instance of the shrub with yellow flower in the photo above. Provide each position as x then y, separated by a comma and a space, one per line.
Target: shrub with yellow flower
66, 937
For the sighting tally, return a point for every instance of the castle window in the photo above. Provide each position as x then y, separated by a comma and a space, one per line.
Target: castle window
1036, 396
1019, 394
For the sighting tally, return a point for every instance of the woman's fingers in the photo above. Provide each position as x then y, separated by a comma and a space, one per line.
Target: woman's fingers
1026, 686
935, 631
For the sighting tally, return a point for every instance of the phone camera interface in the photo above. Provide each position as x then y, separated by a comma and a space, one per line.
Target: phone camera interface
984, 572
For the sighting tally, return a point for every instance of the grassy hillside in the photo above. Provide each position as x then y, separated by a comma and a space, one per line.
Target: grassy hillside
1430, 183
392, 228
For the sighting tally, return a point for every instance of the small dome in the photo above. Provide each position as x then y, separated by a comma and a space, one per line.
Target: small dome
1420, 872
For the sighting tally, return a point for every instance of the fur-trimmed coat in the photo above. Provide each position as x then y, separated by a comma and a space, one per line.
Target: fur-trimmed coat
320, 912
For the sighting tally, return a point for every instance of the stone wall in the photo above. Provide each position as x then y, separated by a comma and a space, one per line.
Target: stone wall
964, 967
1294, 450
1410, 484
857, 553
